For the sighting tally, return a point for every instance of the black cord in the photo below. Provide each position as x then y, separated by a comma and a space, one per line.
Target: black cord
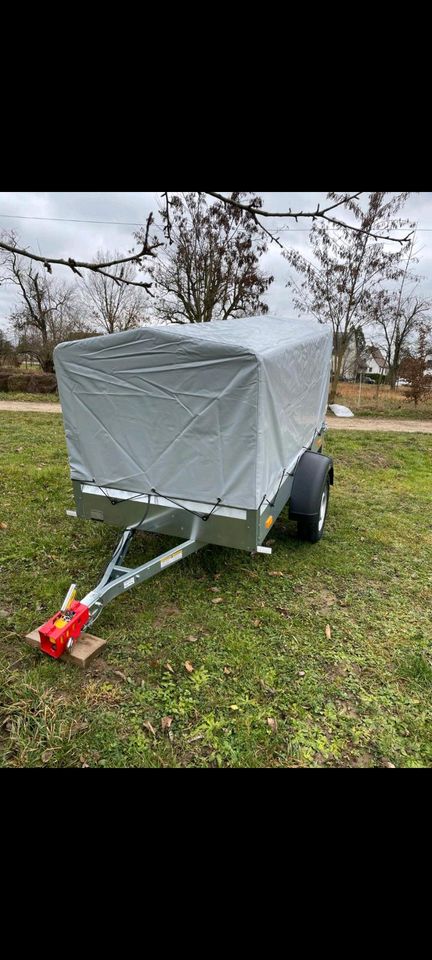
284, 474
201, 516
271, 503
144, 518
115, 503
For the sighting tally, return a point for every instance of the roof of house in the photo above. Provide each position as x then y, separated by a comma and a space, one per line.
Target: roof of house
376, 354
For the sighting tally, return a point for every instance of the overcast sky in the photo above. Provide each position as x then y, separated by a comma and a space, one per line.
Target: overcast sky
119, 214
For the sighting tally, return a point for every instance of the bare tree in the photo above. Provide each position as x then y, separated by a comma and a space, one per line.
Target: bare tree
211, 269
416, 368
7, 351
398, 320
48, 312
113, 306
348, 269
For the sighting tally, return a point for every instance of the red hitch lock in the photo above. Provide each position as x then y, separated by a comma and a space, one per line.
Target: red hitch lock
63, 629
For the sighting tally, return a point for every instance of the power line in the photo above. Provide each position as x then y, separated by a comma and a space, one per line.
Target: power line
133, 223
117, 223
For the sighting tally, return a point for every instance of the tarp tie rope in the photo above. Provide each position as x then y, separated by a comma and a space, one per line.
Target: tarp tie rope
285, 473
115, 502
201, 516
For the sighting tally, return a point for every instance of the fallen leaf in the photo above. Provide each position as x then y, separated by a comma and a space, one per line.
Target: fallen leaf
227, 670
388, 764
192, 639
149, 727
275, 573
328, 632
18, 449
169, 667
233, 706
47, 754
189, 666
301, 673
166, 722
199, 736
272, 724
118, 673
85, 766
216, 576
217, 600
256, 623
214, 589
3, 526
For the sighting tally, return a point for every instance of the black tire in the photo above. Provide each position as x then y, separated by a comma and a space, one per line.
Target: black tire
312, 528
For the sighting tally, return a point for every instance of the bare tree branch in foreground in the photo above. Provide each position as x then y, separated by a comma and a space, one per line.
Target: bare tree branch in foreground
256, 212
146, 250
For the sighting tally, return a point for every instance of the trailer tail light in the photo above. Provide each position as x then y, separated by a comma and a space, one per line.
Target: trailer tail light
60, 632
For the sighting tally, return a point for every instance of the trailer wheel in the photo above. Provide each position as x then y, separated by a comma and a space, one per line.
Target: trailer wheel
312, 528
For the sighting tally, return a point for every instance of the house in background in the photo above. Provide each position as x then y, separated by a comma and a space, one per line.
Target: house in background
375, 361
363, 359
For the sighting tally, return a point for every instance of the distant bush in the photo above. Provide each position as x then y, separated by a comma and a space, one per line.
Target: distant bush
12, 381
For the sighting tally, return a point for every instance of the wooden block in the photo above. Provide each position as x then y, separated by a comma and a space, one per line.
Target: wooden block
83, 651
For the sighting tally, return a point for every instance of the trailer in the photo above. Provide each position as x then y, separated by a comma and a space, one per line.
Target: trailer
203, 432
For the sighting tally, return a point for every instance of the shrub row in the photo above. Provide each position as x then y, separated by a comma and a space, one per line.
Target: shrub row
11, 382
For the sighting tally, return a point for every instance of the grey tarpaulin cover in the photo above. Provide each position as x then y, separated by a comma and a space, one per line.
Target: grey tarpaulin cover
199, 412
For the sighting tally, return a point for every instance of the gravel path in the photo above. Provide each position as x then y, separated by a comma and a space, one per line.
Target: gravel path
30, 406
371, 423
333, 423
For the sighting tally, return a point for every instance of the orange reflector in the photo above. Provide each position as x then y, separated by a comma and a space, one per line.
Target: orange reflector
268, 522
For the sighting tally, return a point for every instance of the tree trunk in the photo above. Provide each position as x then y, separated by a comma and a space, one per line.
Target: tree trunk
336, 374
392, 378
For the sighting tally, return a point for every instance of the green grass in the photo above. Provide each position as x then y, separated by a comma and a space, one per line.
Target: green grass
362, 697
29, 397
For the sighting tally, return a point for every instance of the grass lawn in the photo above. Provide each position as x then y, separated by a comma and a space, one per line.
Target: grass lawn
29, 397
270, 687
388, 403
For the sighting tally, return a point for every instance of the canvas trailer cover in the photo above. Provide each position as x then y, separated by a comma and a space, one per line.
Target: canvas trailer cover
200, 432
212, 413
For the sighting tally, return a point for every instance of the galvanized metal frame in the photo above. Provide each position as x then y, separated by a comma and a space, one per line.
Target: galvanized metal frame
117, 578
221, 524
225, 526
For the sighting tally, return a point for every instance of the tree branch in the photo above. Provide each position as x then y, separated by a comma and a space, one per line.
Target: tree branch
146, 250
256, 212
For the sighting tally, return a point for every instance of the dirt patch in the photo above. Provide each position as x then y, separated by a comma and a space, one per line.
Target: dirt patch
31, 407
170, 610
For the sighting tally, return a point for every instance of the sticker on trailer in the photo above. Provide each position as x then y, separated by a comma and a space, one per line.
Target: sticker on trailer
171, 559
129, 583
